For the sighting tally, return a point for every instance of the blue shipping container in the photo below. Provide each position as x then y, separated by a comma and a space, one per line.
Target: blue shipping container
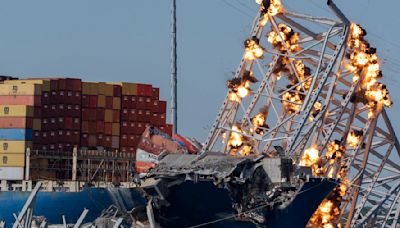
16, 134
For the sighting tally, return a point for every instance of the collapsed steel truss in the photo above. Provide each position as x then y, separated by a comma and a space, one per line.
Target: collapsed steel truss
373, 194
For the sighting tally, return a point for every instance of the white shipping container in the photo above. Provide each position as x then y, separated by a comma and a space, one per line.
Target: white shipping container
11, 173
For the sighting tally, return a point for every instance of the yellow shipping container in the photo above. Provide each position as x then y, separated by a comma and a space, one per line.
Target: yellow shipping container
12, 160
127, 88
115, 129
116, 103
16, 110
44, 83
20, 89
14, 147
108, 90
37, 124
101, 101
108, 114
90, 88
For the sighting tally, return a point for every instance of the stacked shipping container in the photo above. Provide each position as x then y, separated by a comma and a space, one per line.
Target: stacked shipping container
101, 104
58, 114
17, 120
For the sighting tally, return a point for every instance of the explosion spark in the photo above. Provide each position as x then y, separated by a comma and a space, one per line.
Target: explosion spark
310, 157
235, 138
252, 49
353, 138
259, 123
272, 7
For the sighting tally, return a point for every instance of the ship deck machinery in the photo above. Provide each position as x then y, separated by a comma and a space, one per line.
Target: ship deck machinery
217, 190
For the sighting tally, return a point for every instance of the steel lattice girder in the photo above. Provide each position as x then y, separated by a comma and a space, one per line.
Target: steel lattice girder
371, 168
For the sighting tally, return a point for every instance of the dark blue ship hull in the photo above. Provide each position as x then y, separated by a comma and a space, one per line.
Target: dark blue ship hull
204, 205
53, 205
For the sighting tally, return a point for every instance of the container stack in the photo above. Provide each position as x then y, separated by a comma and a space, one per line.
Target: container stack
101, 104
17, 118
58, 114
131, 126
61, 115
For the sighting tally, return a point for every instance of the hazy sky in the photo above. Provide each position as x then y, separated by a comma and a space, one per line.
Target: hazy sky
129, 40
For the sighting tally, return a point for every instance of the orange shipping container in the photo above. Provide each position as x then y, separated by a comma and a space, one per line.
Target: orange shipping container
15, 122
116, 103
101, 101
21, 100
115, 129
108, 115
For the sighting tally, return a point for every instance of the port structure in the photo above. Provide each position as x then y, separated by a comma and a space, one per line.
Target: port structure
287, 97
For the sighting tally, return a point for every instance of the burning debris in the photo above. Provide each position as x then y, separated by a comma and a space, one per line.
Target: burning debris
240, 87
270, 7
285, 39
253, 50
235, 140
364, 63
259, 124
292, 101
329, 210
310, 156
316, 110
353, 138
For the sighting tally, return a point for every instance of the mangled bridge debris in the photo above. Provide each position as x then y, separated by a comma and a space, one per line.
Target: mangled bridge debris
248, 189
308, 88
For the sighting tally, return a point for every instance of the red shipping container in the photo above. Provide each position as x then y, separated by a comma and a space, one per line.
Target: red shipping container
107, 142
76, 124
88, 114
125, 114
149, 103
85, 126
100, 127
117, 91
133, 116
37, 137
100, 140
84, 140
124, 140
76, 137
92, 127
116, 116
68, 123
144, 90
73, 84
156, 93
159, 107
141, 103
85, 101
109, 102
21, 100
100, 114
46, 97
93, 101
108, 128
124, 127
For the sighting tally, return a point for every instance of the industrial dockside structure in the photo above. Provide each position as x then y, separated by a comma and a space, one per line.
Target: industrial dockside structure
52, 126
